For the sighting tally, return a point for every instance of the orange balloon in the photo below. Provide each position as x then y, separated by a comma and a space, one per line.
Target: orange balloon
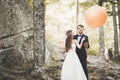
95, 16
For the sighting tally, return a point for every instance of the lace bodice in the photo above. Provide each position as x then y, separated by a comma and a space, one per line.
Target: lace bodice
73, 47
72, 50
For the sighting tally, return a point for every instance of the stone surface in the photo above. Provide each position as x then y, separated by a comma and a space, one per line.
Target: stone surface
16, 40
22, 40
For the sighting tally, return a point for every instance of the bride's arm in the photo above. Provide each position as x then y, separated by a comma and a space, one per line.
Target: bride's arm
79, 45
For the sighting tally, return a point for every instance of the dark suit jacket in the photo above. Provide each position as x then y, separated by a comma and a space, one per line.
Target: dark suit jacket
82, 52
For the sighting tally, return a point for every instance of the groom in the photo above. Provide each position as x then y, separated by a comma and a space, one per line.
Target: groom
82, 52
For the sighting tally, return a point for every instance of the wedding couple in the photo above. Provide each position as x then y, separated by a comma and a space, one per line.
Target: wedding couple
75, 64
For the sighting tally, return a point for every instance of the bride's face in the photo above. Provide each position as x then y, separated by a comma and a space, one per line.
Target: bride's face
73, 34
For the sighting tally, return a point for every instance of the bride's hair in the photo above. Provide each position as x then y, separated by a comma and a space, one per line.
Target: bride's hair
68, 41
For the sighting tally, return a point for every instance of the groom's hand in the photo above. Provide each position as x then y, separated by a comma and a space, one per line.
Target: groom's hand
85, 44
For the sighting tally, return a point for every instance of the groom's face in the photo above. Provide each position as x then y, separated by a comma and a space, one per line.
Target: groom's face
80, 29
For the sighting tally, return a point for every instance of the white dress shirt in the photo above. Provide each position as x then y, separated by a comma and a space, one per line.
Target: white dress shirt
78, 38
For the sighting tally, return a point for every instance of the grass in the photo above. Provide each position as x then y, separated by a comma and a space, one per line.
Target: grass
117, 59
92, 52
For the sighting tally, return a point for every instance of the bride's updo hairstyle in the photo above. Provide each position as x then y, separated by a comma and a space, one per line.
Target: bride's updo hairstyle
68, 41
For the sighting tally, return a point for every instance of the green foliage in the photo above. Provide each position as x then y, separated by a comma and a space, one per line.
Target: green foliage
92, 52
88, 4
94, 79
51, 1
117, 59
72, 4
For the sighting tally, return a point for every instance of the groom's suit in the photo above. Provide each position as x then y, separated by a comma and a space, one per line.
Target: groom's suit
82, 53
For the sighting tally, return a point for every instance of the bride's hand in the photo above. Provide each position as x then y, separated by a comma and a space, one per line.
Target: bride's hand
76, 41
83, 39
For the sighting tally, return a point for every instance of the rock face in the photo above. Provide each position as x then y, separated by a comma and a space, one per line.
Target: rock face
16, 35
53, 61
16, 39
22, 40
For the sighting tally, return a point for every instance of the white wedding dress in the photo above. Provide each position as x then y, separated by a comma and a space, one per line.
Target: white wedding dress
72, 68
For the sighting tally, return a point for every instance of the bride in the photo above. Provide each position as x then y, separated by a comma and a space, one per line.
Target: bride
72, 68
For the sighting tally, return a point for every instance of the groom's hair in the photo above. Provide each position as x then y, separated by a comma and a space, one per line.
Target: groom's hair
80, 25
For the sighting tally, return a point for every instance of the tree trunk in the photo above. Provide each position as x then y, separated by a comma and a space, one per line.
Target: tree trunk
119, 14
116, 50
39, 35
119, 19
101, 37
77, 12
101, 42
